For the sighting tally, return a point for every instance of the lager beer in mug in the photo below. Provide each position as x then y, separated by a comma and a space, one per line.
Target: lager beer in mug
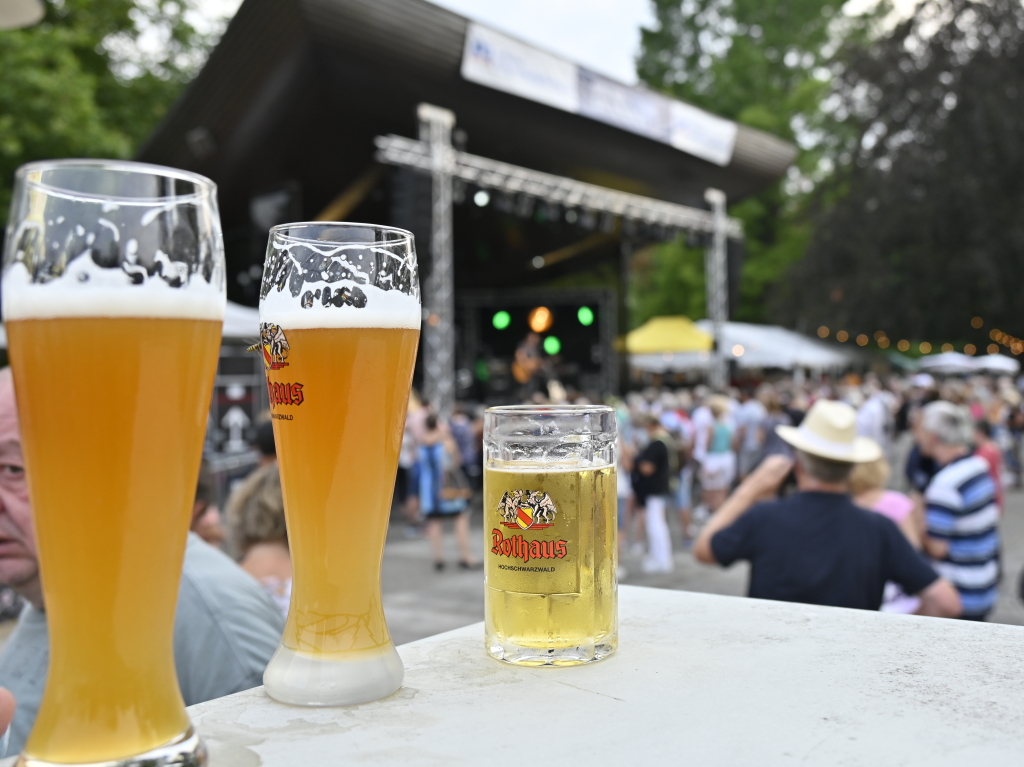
550, 517
113, 298
339, 321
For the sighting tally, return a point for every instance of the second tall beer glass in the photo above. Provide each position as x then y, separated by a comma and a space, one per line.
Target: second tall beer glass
113, 295
339, 321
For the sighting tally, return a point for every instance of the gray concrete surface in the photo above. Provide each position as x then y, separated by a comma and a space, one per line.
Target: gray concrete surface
420, 602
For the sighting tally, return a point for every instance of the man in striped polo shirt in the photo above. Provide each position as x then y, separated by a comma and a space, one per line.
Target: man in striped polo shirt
961, 514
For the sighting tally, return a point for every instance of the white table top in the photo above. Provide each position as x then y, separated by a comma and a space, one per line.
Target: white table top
698, 679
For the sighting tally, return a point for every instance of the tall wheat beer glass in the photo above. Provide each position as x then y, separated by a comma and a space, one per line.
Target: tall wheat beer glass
340, 319
550, 521
113, 296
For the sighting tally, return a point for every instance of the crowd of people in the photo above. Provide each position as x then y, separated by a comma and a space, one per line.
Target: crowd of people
934, 460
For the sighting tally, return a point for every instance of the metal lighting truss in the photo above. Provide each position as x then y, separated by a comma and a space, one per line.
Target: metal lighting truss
435, 155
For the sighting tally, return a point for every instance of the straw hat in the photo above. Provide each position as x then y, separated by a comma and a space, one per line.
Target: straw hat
829, 430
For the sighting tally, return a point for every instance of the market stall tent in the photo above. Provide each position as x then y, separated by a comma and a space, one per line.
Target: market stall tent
668, 334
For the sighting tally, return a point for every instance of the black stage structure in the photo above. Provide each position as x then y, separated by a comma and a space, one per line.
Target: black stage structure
289, 114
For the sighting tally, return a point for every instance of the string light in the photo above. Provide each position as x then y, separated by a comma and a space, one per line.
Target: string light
977, 322
947, 347
970, 349
993, 349
822, 332
925, 347
842, 336
993, 334
879, 335
883, 342
903, 346
862, 340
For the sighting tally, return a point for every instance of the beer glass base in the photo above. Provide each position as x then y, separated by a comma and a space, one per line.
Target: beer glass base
519, 655
336, 679
185, 751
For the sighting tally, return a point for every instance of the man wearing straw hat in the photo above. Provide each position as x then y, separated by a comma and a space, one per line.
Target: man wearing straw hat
816, 546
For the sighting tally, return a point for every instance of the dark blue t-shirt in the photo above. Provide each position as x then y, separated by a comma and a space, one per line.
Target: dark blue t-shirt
821, 549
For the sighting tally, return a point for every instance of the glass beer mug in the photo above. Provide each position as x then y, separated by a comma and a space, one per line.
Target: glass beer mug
550, 517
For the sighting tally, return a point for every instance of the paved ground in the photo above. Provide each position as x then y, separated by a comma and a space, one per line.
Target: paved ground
420, 602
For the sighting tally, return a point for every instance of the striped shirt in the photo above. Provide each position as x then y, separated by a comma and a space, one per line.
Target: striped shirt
960, 509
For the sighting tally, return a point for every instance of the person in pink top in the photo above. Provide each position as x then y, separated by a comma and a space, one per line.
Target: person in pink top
989, 450
867, 486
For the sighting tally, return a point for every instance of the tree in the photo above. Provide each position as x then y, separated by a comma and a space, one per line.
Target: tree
920, 229
767, 64
92, 79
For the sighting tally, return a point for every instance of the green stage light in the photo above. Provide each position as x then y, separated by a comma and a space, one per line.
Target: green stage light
552, 345
586, 316
501, 320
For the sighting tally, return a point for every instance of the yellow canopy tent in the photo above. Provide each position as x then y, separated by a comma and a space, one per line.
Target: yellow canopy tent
668, 334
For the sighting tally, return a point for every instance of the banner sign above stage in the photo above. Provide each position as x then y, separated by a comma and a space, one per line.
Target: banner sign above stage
504, 63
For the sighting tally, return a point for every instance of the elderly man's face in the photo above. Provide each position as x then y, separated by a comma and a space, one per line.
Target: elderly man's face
19, 566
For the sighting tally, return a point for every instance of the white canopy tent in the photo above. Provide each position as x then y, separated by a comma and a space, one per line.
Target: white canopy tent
240, 323
954, 362
753, 346
949, 362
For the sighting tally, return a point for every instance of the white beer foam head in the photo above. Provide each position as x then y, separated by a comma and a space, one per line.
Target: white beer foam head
348, 285
88, 290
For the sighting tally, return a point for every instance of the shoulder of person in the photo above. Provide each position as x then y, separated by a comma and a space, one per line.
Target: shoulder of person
213, 583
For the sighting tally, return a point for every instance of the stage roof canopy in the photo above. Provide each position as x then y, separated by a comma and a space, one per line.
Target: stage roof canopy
284, 115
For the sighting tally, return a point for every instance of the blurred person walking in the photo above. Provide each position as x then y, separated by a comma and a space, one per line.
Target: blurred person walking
652, 488
749, 438
961, 516
225, 626
444, 492
816, 546
718, 466
257, 533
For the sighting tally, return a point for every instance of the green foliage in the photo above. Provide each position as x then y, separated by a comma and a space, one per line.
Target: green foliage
92, 79
667, 279
768, 64
920, 229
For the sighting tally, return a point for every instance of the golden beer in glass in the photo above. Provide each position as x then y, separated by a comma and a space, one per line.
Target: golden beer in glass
113, 297
340, 317
550, 513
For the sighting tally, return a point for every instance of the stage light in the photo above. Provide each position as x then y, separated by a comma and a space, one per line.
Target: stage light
552, 345
540, 319
903, 346
977, 322
842, 336
481, 198
822, 332
501, 320
970, 349
862, 340
586, 316
925, 347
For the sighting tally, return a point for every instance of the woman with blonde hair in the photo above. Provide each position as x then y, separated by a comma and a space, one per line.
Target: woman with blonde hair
867, 486
257, 535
